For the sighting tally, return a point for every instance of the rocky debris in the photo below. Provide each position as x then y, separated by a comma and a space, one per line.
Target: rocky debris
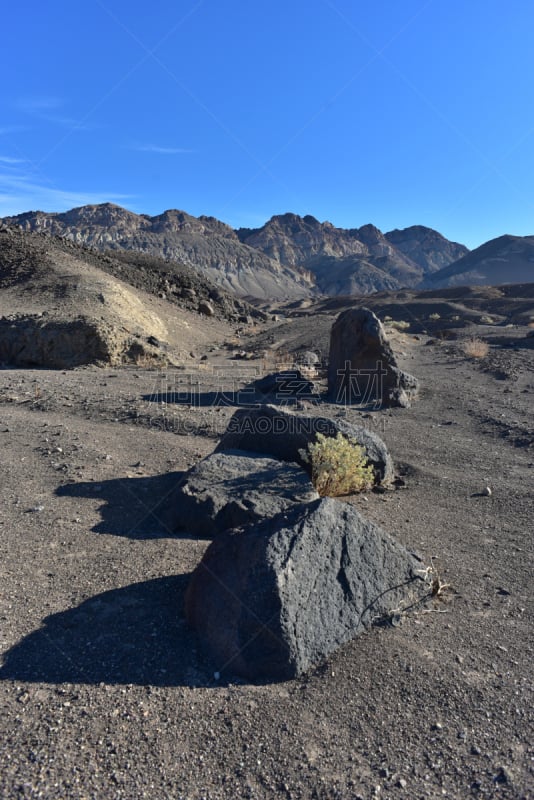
272, 600
180, 284
286, 385
362, 368
41, 341
279, 433
231, 489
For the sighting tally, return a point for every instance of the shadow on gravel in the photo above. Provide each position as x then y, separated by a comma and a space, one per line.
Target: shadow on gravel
136, 634
283, 388
507, 343
137, 508
229, 399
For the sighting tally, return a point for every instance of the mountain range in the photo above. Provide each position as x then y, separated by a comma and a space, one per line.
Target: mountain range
292, 257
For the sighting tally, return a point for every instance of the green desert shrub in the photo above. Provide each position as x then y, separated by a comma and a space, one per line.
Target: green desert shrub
338, 466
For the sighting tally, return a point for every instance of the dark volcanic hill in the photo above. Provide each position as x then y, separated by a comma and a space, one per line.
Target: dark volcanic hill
203, 243
290, 257
356, 260
426, 247
507, 259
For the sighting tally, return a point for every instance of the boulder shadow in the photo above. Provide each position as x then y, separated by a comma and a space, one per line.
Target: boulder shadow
133, 635
511, 343
283, 388
136, 508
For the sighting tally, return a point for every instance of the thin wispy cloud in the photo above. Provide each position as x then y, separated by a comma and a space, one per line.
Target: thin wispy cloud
49, 109
164, 151
20, 193
39, 103
6, 130
10, 160
68, 122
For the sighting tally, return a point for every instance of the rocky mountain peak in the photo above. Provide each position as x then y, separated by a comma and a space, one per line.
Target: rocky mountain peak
175, 221
370, 233
426, 247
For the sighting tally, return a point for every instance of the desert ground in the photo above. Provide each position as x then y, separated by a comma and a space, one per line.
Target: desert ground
106, 693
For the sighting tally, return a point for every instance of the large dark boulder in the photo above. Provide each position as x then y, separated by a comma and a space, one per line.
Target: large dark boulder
362, 369
230, 489
272, 600
281, 434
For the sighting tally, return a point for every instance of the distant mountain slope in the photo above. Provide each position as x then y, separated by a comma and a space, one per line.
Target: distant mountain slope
507, 259
426, 247
290, 257
359, 260
203, 243
350, 275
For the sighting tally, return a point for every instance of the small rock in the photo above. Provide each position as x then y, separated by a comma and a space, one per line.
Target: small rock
36, 509
487, 492
308, 358
503, 775
206, 308
384, 772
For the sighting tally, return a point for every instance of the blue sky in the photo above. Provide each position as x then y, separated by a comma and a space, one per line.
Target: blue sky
395, 112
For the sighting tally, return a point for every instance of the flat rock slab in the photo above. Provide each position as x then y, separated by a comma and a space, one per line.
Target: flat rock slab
273, 431
271, 601
286, 385
230, 489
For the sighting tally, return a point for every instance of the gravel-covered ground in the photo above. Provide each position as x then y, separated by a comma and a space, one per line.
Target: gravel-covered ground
104, 692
